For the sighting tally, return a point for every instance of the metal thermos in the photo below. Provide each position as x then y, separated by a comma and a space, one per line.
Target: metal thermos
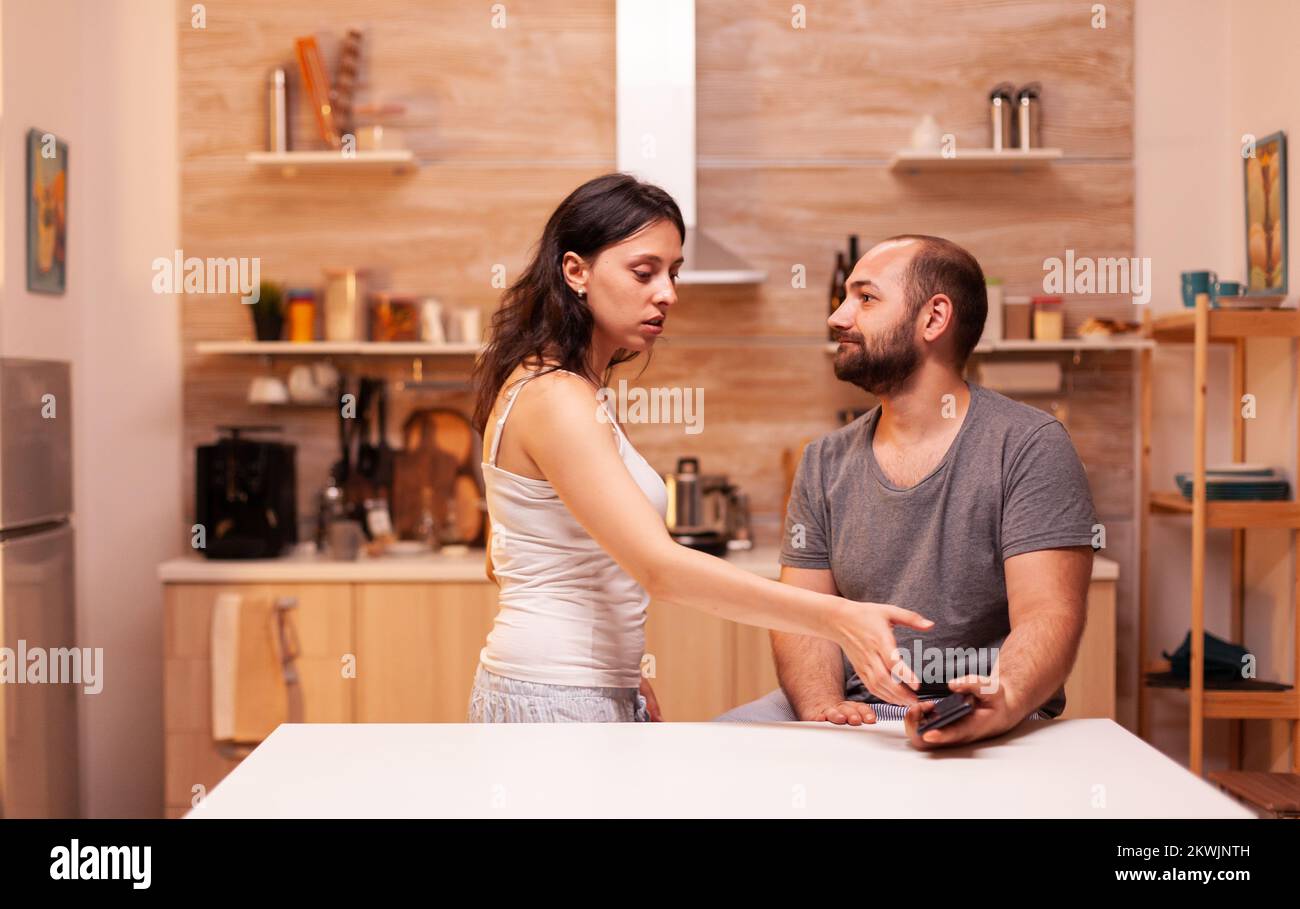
277, 111
1000, 101
1028, 117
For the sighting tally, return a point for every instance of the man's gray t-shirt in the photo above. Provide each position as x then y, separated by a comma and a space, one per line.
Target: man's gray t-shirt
1010, 482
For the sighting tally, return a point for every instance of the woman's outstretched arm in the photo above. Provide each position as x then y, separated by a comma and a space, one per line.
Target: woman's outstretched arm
556, 421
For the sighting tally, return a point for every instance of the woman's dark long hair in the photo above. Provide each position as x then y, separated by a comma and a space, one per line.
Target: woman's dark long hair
541, 320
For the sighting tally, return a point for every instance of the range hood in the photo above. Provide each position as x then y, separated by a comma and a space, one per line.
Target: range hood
655, 101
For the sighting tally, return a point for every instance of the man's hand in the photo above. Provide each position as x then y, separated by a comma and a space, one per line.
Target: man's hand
651, 702
995, 712
841, 713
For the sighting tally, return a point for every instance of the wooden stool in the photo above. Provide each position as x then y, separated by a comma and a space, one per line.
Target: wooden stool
1275, 794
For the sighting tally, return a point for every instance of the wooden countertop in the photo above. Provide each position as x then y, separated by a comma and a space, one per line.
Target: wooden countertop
466, 568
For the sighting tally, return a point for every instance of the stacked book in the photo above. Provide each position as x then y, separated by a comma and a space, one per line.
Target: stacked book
1240, 483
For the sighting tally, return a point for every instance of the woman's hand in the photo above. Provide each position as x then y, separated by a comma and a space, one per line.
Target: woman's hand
866, 633
651, 702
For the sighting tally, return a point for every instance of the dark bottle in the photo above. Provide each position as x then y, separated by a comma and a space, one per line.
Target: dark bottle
838, 277
853, 252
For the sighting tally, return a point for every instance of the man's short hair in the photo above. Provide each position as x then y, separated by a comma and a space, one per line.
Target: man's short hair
940, 266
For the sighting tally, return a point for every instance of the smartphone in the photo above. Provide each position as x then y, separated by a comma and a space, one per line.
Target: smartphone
947, 711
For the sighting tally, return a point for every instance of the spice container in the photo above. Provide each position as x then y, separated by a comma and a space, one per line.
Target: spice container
301, 307
1016, 320
340, 304
1049, 319
993, 321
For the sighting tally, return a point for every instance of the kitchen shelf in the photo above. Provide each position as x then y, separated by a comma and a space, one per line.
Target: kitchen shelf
325, 348
974, 159
1228, 325
290, 163
1243, 701
1069, 345
1202, 327
1231, 514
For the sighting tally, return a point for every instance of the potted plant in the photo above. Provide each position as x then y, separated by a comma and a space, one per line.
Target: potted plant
268, 312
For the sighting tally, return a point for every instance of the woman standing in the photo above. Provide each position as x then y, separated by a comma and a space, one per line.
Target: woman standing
579, 545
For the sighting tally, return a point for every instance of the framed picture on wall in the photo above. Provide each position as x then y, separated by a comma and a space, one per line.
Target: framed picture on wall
47, 213
1266, 249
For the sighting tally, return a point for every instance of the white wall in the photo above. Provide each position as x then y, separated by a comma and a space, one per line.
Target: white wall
1208, 71
101, 74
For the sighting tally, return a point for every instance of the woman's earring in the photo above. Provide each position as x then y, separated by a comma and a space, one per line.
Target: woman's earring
581, 291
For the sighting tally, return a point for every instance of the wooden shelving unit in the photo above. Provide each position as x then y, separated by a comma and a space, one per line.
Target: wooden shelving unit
973, 159
329, 348
292, 163
1202, 327
1069, 345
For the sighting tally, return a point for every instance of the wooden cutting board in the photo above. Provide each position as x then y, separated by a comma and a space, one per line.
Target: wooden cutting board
440, 450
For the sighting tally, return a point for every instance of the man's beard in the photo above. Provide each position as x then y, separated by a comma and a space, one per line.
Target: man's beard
882, 367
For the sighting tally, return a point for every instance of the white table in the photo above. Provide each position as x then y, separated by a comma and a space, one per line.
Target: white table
1061, 768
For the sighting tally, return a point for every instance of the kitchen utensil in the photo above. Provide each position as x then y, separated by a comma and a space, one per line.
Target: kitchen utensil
267, 390
1028, 115
698, 507
316, 88
440, 451
1000, 102
329, 508
345, 81
277, 110
303, 387
383, 453
345, 540
367, 451
343, 466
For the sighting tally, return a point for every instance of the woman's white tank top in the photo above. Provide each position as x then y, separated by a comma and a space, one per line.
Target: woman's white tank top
568, 614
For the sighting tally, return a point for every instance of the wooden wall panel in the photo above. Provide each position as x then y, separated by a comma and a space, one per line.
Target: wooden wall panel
794, 129
780, 217
854, 82
540, 88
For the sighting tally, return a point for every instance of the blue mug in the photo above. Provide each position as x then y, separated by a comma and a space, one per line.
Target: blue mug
1229, 289
1198, 282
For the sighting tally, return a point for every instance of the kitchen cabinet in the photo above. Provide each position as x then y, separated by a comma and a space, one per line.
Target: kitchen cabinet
404, 651
417, 647
322, 622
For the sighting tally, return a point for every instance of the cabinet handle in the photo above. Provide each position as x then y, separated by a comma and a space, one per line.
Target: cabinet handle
290, 650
